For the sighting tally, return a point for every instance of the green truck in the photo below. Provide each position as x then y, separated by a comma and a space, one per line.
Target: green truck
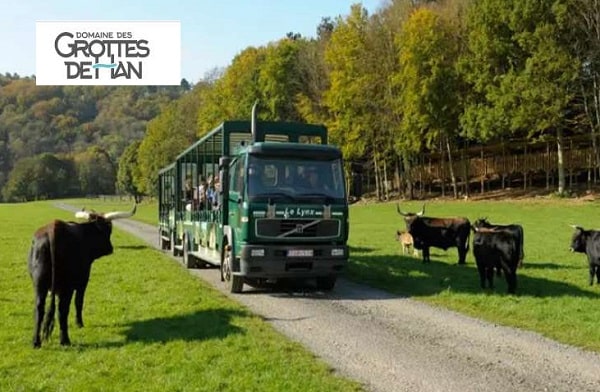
264, 201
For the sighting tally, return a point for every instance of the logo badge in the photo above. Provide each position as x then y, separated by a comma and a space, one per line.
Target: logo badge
108, 53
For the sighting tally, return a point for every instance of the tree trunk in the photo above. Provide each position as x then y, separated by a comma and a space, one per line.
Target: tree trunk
466, 168
408, 176
386, 187
560, 161
377, 182
451, 166
443, 168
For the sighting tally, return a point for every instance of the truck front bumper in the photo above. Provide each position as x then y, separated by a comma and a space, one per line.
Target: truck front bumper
298, 261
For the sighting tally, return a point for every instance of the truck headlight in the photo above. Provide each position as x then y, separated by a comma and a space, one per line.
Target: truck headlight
257, 252
337, 252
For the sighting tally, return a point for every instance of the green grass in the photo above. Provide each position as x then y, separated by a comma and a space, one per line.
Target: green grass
150, 326
553, 295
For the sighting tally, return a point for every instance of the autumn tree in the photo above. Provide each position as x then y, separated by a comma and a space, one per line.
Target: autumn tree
520, 71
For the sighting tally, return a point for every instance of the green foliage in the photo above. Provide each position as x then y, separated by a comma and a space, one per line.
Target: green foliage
428, 84
64, 120
96, 172
41, 177
167, 135
129, 178
279, 80
520, 71
349, 105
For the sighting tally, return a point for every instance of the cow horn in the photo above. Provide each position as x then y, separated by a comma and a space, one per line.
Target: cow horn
120, 214
398, 209
420, 213
83, 214
576, 227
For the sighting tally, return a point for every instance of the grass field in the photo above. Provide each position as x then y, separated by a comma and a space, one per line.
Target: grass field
553, 295
150, 326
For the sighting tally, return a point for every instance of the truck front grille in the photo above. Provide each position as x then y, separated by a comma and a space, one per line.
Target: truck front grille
297, 228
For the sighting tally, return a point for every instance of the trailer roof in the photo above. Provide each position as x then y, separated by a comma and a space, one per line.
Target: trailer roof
233, 133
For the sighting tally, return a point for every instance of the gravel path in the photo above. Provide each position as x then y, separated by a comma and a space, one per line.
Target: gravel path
391, 343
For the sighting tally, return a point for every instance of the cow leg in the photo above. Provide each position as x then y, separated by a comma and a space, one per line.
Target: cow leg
462, 254
592, 273
426, 258
79, 294
481, 269
597, 274
64, 302
489, 272
40, 304
511, 281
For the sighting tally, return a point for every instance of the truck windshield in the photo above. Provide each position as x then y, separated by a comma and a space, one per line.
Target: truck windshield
295, 179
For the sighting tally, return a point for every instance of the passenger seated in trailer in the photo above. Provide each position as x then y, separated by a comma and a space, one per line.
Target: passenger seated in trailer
201, 193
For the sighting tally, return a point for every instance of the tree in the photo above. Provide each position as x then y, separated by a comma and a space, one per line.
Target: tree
96, 172
520, 71
428, 84
128, 175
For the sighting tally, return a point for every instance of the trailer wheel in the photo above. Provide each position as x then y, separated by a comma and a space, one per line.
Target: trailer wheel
326, 283
161, 241
234, 283
174, 250
188, 260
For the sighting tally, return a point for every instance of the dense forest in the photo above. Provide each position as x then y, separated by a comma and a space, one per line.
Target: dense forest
413, 78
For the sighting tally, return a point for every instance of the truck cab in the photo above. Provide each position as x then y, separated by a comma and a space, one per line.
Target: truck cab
280, 210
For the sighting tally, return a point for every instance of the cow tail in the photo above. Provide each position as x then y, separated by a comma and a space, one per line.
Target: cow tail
49, 321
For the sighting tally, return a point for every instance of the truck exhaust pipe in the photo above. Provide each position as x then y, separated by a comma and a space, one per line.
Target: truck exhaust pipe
253, 121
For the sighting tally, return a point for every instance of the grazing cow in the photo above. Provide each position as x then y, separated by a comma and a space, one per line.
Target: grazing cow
588, 242
441, 233
60, 260
406, 241
496, 248
516, 230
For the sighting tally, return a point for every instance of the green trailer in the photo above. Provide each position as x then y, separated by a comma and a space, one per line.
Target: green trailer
263, 201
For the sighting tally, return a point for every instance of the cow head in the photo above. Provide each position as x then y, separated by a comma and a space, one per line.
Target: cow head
410, 217
579, 239
482, 222
98, 229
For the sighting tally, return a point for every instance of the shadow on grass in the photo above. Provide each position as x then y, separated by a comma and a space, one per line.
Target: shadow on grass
546, 266
133, 247
202, 325
408, 276
360, 249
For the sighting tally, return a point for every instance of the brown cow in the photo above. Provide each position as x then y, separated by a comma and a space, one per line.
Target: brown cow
60, 260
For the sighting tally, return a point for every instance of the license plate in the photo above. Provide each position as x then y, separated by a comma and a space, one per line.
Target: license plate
300, 253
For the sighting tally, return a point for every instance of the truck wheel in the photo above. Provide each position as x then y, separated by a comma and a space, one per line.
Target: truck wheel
233, 282
326, 283
174, 250
188, 260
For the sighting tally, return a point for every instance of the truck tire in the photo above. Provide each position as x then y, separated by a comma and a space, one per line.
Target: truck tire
234, 283
326, 283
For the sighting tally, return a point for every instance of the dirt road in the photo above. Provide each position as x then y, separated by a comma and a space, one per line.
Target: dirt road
393, 344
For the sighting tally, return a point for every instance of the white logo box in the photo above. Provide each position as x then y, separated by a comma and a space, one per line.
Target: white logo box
108, 53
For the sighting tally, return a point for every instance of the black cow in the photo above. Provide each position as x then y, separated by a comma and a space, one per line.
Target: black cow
441, 233
588, 242
60, 260
516, 230
496, 248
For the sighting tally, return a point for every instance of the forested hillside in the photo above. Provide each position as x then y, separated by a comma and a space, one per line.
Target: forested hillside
414, 79
67, 140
